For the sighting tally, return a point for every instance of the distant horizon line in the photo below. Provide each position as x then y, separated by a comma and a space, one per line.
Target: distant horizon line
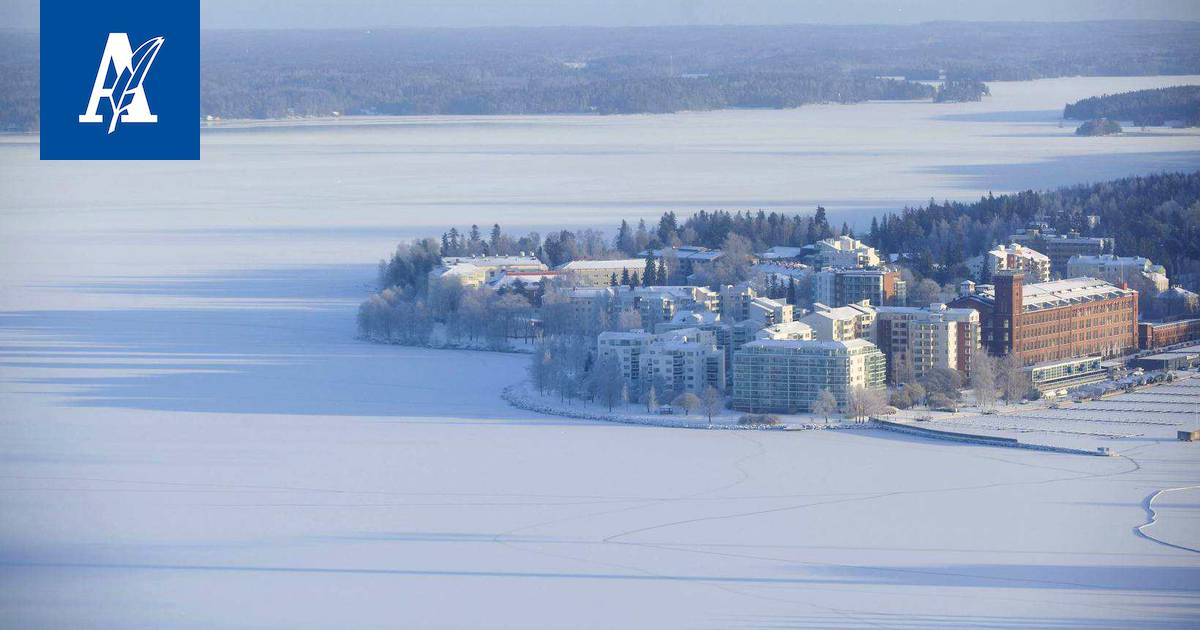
496, 27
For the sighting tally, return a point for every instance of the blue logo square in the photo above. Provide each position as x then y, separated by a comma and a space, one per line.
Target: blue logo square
121, 80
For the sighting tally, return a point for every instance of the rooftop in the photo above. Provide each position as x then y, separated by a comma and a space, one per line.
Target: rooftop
689, 252
1044, 295
1018, 249
814, 346
634, 264
492, 261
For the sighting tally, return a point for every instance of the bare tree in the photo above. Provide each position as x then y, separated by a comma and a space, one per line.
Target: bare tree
864, 402
1014, 382
687, 401
541, 369
629, 319
916, 393
734, 265
711, 402
825, 404
651, 399
983, 379
609, 381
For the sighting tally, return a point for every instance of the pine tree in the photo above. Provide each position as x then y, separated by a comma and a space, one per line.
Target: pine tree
633, 280
494, 242
625, 239
650, 273
625, 278
612, 280
791, 291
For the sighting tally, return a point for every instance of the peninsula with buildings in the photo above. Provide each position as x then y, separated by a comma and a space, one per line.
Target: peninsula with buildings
653, 321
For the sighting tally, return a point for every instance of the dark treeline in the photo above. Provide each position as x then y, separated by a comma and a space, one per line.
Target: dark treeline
961, 90
1143, 107
1156, 216
269, 74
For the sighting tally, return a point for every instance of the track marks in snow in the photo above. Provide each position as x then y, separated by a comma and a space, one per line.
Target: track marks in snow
1152, 519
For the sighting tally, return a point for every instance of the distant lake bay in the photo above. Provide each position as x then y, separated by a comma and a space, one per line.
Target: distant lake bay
421, 174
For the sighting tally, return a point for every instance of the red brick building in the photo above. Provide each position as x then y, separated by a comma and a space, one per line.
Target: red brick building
1161, 334
1049, 321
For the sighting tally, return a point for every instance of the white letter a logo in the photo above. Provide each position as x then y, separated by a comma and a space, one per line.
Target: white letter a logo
125, 96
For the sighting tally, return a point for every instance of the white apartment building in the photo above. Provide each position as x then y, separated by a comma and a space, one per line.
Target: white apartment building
841, 323
847, 253
1143, 276
742, 302
927, 338
685, 360
1017, 257
794, 330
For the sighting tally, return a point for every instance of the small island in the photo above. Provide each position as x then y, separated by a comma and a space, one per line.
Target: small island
1177, 106
961, 91
1099, 127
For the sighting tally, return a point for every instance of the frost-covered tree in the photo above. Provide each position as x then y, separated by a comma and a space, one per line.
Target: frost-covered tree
651, 399
825, 404
687, 401
983, 379
1014, 381
711, 402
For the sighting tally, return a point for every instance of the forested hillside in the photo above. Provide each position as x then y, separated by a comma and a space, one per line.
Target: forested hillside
1143, 107
266, 74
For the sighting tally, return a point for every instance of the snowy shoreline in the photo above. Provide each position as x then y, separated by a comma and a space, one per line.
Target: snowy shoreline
519, 396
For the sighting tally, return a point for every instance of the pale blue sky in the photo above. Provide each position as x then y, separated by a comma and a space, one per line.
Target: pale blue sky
366, 13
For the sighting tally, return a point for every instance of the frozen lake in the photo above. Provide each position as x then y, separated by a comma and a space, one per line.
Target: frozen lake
190, 436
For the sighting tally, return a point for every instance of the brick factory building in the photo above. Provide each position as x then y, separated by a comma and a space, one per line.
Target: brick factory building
1049, 321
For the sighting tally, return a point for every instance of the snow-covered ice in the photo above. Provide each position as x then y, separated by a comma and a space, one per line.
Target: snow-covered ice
191, 437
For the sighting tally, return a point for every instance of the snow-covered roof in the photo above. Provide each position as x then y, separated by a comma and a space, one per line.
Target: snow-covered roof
632, 264
780, 251
1017, 249
688, 252
495, 261
803, 345
1056, 293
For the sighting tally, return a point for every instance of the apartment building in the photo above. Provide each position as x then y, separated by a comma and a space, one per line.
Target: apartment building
741, 302
1017, 257
1059, 248
927, 338
841, 323
1136, 272
786, 376
1050, 321
794, 330
839, 287
845, 252
659, 304
599, 273
684, 360
690, 258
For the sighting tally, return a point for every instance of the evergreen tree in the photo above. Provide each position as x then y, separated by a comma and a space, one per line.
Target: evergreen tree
650, 273
625, 278
612, 281
624, 240
633, 280
663, 276
791, 291
494, 242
